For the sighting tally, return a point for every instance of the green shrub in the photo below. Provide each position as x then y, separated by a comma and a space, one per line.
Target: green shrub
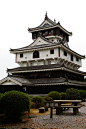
63, 95
47, 98
1, 108
82, 94
72, 94
33, 105
14, 103
38, 101
55, 95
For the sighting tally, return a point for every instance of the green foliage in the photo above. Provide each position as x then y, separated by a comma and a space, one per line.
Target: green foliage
33, 105
82, 94
38, 101
14, 103
1, 108
63, 95
47, 98
55, 95
72, 94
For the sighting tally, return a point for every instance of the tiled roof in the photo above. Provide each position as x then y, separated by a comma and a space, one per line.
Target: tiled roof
47, 80
78, 83
37, 46
43, 81
34, 67
20, 79
44, 46
48, 25
43, 68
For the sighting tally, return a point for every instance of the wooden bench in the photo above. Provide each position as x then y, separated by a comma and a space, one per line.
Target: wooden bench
62, 104
75, 109
65, 108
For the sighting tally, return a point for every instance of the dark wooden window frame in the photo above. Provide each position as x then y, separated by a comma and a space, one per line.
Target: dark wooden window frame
77, 59
36, 54
52, 51
65, 53
71, 57
21, 55
58, 51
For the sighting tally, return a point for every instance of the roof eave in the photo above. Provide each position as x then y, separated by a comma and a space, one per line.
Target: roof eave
33, 49
53, 69
34, 29
80, 56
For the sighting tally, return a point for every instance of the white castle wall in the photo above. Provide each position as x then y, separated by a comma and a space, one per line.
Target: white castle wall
45, 55
8, 83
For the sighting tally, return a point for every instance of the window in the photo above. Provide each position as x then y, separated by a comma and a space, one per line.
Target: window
36, 54
71, 57
21, 55
59, 52
77, 59
52, 51
65, 53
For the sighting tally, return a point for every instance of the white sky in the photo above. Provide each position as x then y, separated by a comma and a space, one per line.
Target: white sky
17, 15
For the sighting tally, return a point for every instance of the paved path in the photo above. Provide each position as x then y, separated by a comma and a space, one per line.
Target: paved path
65, 121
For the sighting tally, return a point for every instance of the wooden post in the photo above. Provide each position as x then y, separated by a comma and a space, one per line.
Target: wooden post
58, 111
75, 111
51, 112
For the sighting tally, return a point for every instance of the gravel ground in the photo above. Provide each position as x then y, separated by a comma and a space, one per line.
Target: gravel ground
65, 121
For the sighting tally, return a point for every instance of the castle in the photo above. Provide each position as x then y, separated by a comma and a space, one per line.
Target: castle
47, 64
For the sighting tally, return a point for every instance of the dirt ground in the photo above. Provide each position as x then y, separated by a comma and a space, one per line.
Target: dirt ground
36, 112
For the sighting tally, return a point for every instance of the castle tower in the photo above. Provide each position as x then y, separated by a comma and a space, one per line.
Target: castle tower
46, 64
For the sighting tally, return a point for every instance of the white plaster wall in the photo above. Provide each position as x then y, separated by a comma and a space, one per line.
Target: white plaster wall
26, 56
68, 57
8, 83
45, 54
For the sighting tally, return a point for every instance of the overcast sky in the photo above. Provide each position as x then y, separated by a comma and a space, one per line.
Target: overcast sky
17, 15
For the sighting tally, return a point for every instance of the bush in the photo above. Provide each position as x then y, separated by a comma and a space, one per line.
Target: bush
1, 108
14, 103
63, 95
47, 98
82, 94
55, 95
38, 101
72, 94
33, 105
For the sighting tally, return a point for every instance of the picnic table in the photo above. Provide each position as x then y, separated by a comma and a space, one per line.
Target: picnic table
60, 104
